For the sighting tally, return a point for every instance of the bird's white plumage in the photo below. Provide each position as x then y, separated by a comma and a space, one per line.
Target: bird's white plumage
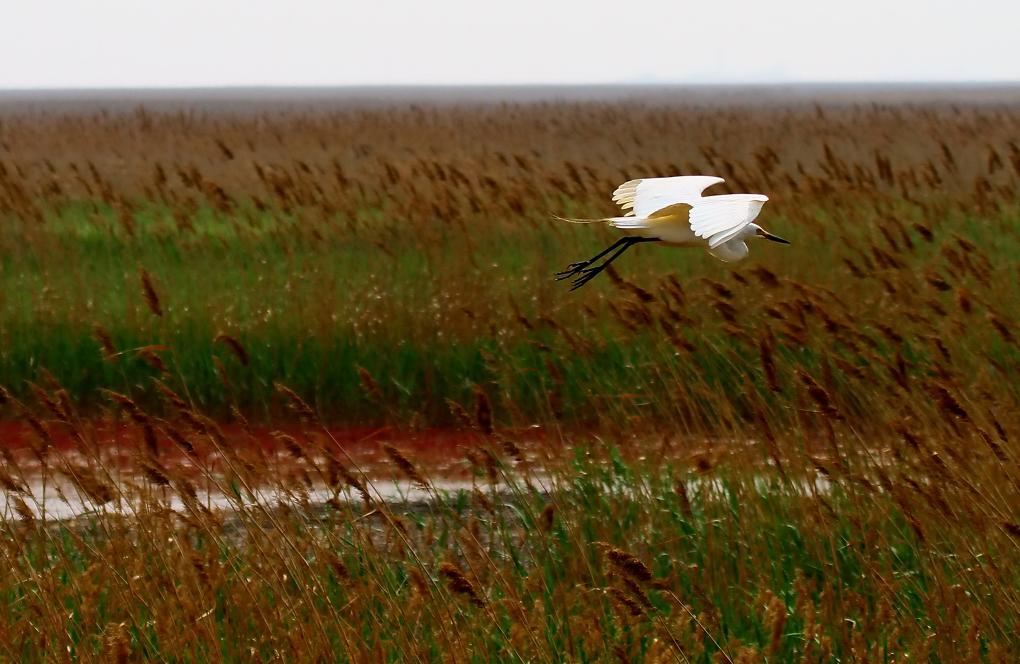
643, 198
721, 218
648, 206
674, 211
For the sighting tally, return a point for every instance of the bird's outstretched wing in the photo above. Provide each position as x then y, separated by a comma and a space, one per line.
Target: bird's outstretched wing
642, 198
721, 218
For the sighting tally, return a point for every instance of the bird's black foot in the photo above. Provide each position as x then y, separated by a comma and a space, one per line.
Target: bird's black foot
587, 274
572, 270
583, 270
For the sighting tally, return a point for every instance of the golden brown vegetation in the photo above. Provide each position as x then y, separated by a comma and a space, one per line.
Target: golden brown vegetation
812, 455
316, 242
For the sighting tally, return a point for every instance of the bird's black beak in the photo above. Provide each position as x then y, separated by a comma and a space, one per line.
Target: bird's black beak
775, 238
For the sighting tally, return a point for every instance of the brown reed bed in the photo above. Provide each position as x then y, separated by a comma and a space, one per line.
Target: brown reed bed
813, 545
807, 457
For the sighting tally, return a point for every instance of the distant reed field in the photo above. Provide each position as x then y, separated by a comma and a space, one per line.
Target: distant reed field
809, 456
416, 246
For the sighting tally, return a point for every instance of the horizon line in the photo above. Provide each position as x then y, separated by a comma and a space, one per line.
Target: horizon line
625, 84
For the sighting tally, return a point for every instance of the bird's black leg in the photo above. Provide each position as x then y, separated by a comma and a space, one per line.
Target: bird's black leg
575, 268
589, 273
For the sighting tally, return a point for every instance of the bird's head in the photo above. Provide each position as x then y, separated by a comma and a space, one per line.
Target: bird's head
758, 231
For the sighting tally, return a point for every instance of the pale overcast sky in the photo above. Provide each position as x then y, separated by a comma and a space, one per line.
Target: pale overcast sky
141, 43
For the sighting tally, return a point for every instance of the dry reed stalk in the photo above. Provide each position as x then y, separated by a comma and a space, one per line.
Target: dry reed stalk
624, 601
946, 402
105, 342
459, 583
483, 411
149, 291
179, 439
289, 443
170, 396
10, 483
51, 404
491, 463
629, 287
406, 467
235, 346
774, 623
129, 406
116, 643
460, 414
1002, 327
513, 450
296, 403
547, 518
154, 471
337, 472
152, 359
627, 563
44, 443
97, 491
369, 386
766, 348
819, 395
23, 511
638, 594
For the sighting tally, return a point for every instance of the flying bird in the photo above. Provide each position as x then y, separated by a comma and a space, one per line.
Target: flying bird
673, 211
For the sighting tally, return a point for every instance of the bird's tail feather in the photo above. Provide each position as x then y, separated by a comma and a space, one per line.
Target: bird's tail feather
629, 222
619, 222
582, 221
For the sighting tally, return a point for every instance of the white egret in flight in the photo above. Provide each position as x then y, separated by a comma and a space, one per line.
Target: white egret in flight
673, 211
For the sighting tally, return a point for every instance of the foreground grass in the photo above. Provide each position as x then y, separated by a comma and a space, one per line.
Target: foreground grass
599, 559
810, 544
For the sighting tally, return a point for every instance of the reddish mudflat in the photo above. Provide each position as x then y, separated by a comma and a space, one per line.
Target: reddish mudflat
435, 450
270, 462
